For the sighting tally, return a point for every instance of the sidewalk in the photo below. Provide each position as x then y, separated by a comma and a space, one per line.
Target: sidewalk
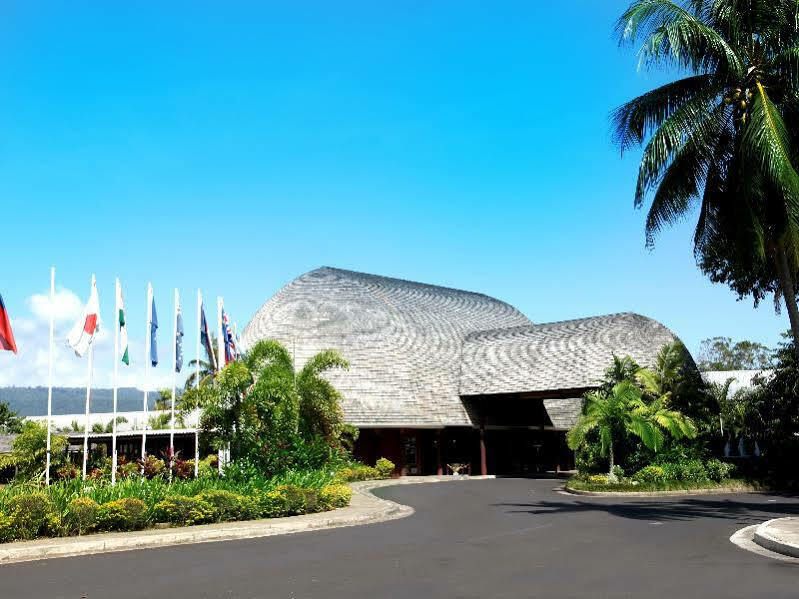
780, 535
364, 508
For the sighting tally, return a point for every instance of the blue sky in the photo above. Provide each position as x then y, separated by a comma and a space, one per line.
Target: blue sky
235, 148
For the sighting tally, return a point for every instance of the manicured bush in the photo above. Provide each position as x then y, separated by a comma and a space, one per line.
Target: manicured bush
334, 496
356, 473
650, 474
689, 471
128, 513
81, 515
184, 511
227, 505
6, 528
272, 504
597, 479
718, 470
384, 467
32, 515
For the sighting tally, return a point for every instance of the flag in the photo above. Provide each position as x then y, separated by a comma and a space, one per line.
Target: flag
227, 336
178, 336
205, 338
6, 334
153, 329
123, 329
82, 334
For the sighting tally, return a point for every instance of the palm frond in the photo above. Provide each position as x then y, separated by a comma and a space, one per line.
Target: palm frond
673, 34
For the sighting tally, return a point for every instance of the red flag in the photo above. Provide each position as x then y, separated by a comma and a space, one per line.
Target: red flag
6, 334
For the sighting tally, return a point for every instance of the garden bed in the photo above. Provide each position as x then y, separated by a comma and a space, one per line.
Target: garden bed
675, 487
75, 507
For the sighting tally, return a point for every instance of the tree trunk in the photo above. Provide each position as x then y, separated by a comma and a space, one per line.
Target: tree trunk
788, 293
610, 459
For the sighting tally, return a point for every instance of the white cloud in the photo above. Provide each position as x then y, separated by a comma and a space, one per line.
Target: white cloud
29, 368
66, 306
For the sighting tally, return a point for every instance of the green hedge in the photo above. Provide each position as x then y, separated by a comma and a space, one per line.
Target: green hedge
70, 507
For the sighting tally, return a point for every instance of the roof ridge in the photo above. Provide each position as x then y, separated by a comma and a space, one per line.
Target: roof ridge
409, 281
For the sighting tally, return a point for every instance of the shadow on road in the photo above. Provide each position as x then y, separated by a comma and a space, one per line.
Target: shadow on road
740, 510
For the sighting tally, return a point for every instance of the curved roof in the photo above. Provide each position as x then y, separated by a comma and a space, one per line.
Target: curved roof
572, 354
403, 340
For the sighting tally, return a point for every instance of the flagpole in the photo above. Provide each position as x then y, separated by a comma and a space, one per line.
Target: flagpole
50, 374
220, 350
117, 295
88, 399
174, 383
148, 341
197, 385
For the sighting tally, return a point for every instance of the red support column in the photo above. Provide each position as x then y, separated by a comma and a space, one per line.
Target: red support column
440, 466
483, 463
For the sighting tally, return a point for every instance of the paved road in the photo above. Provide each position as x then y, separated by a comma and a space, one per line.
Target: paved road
474, 539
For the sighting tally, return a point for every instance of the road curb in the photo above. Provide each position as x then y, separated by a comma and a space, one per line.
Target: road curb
365, 508
768, 540
671, 493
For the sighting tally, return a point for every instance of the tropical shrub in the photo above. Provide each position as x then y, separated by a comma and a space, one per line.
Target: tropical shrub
689, 471
81, 516
227, 505
597, 479
152, 466
272, 504
29, 451
650, 474
384, 467
128, 513
32, 515
334, 496
184, 511
6, 528
356, 473
718, 470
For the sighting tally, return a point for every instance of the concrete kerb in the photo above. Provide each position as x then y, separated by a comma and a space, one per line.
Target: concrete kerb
780, 535
365, 508
673, 493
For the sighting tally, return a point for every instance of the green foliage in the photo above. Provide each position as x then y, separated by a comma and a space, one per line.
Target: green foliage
272, 417
334, 496
152, 467
81, 517
692, 471
723, 136
721, 353
357, 472
6, 528
184, 511
384, 467
227, 505
718, 470
29, 451
128, 513
650, 474
10, 421
32, 515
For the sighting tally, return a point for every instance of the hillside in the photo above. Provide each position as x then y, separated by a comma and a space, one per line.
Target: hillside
32, 401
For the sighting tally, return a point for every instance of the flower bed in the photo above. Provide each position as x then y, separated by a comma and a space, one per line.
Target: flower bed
70, 507
685, 475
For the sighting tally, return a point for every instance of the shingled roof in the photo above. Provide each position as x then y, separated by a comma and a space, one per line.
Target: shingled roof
415, 349
402, 339
571, 354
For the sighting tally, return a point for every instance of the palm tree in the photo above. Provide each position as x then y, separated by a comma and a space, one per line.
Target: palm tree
623, 411
723, 136
661, 380
207, 371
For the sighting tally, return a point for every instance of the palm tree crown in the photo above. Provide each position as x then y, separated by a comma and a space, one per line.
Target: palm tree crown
724, 135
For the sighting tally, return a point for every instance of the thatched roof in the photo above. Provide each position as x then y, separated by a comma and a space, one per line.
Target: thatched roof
415, 349
572, 354
402, 339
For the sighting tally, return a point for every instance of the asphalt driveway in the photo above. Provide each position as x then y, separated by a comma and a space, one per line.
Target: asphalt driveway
476, 539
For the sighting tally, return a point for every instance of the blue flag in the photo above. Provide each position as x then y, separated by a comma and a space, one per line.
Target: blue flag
153, 329
205, 339
179, 342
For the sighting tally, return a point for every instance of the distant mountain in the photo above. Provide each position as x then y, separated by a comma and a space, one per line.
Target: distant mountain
32, 401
